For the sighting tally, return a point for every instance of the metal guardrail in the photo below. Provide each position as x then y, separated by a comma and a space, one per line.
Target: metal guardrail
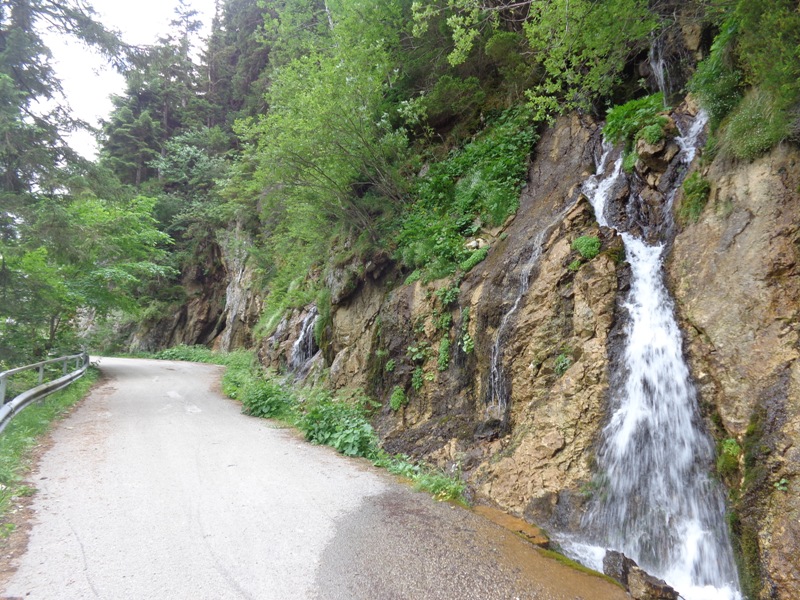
9, 409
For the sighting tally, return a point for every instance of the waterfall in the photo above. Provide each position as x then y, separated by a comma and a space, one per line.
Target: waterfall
657, 503
305, 346
655, 57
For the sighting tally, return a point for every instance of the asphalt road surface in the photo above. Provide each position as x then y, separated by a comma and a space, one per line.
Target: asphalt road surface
157, 487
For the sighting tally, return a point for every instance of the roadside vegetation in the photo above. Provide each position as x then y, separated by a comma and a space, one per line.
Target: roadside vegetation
339, 421
22, 435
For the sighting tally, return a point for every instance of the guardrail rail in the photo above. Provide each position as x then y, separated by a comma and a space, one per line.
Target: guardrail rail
9, 409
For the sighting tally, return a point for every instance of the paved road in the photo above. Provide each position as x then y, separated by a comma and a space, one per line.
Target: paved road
157, 487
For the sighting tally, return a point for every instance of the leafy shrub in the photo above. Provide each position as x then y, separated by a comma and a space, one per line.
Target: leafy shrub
575, 265
448, 295
443, 322
443, 487
588, 246
390, 365
417, 379
476, 257
562, 363
419, 352
625, 123
190, 354
440, 486
695, 195
398, 398
444, 354
479, 183
265, 398
340, 424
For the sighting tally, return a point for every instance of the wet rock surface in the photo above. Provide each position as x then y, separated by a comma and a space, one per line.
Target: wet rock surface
639, 583
735, 279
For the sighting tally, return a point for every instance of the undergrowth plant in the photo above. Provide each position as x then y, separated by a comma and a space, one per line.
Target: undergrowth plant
695, 196
475, 185
640, 118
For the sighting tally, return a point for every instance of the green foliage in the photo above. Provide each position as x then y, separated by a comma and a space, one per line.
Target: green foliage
443, 487
695, 196
448, 295
575, 265
338, 423
717, 81
755, 125
578, 48
583, 48
562, 362
588, 246
466, 343
199, 354
390, 365
478, 183
265, 398
444, 354
398, 398
782, 485
419, 352
417, 379
324, 318
728, 454
629, 160
637, 118
758, 45
443, 322
473, 259
23, 434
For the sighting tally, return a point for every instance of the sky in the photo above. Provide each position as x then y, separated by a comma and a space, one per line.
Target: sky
87, 80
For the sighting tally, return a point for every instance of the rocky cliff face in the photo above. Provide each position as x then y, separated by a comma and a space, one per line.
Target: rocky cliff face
506, 371
735, 277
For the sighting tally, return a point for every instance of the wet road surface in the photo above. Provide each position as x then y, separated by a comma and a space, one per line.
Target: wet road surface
158, 487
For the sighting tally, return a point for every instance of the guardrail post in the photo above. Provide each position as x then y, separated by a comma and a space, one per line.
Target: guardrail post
64, 367
41, 374
2, 390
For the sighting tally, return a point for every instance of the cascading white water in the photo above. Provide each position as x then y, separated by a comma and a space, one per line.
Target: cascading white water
659, 504
304, 347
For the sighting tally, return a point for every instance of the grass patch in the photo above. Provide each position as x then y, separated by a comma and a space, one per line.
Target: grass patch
23, 433
696, 190
443, 487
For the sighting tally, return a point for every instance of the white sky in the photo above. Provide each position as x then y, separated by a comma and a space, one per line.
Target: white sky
86, 80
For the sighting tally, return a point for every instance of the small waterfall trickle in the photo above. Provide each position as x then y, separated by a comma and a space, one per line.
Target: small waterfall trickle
658, 66
305, 346
659, 504
498, 389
